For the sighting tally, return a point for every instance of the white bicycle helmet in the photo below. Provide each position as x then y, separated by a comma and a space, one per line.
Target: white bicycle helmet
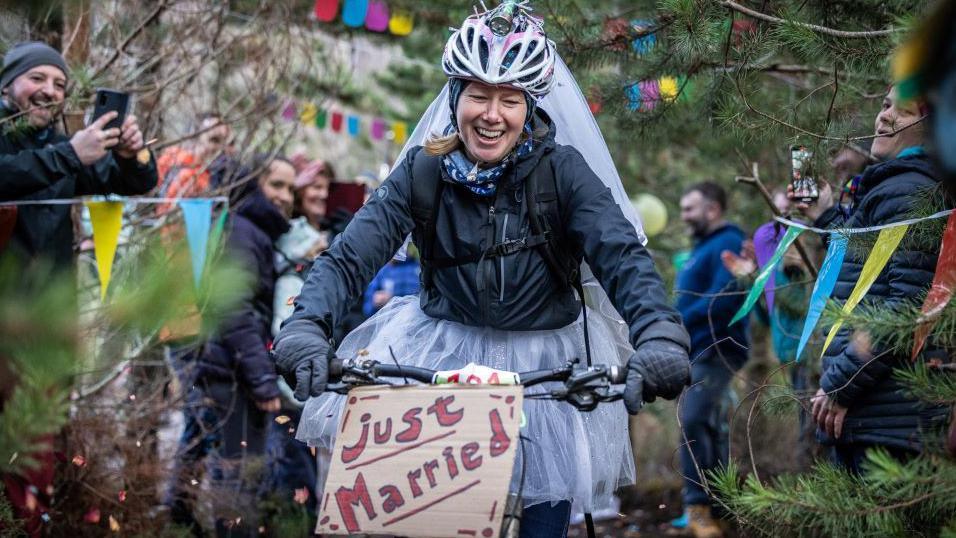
523, 58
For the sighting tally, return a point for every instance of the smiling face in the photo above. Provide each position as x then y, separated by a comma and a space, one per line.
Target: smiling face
895, 115
277, 184
313, 197
490, 119
40, 90
698, 213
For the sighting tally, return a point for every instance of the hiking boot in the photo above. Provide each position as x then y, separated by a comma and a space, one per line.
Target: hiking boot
702, 524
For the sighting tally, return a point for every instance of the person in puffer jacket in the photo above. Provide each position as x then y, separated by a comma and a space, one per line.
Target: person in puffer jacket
236, 375
860, 403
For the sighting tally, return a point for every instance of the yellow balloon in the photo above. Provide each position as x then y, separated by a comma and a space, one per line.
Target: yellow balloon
653, 213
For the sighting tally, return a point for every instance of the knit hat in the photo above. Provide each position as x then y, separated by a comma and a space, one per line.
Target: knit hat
23, 57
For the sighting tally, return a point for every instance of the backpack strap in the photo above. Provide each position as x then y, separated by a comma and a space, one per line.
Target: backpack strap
426, 190
544, 214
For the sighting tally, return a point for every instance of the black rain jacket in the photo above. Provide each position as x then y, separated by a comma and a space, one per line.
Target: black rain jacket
42, 165
514, 292
879, 409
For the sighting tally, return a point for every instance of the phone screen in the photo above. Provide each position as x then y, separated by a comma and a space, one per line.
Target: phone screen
801, 178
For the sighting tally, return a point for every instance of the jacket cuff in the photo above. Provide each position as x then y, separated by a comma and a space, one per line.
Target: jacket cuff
666, 330
266, 389
65, 149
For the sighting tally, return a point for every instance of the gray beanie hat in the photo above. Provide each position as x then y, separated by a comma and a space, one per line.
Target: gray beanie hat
23, 57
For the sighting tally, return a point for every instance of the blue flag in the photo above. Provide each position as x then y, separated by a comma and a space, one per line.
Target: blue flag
823, 287
353, 13
197, 215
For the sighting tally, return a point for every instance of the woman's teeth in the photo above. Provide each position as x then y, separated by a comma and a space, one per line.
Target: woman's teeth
489, 134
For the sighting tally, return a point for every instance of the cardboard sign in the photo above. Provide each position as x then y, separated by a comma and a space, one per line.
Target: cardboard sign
422, 461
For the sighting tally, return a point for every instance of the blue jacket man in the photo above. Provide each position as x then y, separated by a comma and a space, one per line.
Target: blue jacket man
707, 300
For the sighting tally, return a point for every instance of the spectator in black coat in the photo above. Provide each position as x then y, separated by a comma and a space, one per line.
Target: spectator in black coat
37, 162
236, 375
860, 404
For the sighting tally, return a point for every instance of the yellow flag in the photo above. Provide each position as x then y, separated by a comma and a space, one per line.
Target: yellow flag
400, 129
400, 23
107, 217
668, 88
885, 246
309, 112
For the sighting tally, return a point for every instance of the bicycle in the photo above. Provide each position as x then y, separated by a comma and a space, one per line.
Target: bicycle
582, 388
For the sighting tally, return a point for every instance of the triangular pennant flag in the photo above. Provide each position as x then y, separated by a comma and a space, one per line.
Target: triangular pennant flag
215, 238
765, 273
644, 43
376, 19
197, 215
633, 92
668, 87
941, 292
823, 287
400, 23
309, 112
885, 246
353, 13
321, 119
107, 218
288, 111
326, 10
378, 129
400, 130
685, 85
650, 94
354, 125
336, 121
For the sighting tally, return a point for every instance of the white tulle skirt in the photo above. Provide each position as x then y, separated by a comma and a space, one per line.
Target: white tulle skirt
565, 454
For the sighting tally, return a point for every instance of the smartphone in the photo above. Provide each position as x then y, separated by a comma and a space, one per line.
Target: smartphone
801, 175
348, 196
110, 100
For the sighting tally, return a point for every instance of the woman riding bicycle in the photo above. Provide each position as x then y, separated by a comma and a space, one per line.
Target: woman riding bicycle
489, 295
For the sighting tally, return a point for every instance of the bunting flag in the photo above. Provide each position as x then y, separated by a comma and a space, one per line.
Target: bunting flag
376, 19
886, 244
685, 85
336, 121
378, 129
668, 89
650, 94
321, 119
823, 287
326, 10
215, 238
353, 13
197, 213
107, 218
765, 272
400, 130
289, 110
309, 113
353, 125
400, 23
941, 292
643, 44
633, 92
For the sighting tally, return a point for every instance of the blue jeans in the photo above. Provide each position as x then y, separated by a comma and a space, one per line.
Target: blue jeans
702, 424
545, 521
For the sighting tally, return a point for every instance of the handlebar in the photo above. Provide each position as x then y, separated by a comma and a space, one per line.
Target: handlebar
583, 388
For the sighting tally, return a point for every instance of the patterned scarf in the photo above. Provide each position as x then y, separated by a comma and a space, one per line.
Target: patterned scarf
483, 182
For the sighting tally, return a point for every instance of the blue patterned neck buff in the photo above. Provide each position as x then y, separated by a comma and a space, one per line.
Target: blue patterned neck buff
482, 182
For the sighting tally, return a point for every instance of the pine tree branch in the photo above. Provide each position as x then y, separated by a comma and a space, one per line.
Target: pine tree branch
816, 28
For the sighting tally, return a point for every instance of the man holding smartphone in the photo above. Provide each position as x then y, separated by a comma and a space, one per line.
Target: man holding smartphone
38, 162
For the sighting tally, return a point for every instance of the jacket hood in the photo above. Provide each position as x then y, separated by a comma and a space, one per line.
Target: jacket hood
879, 172
543, 129
255, 207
